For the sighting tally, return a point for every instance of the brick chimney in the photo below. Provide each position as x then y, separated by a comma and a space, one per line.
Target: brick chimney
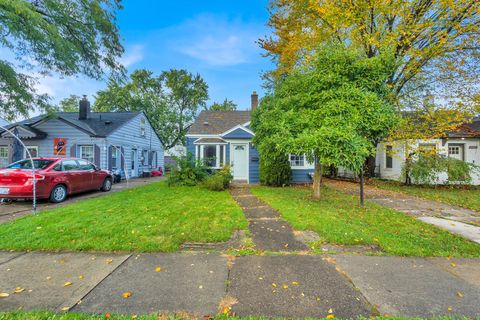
254, 100
84, 109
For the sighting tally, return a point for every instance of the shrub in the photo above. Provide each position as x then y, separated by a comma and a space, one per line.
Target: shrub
220, 180
188, 172
274, 166
426, 168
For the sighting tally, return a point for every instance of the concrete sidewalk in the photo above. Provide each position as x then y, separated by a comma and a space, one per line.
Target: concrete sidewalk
203, 283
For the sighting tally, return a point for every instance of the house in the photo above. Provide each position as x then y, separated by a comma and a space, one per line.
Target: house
110, 140
3, 122
173, 153
225, 137
462, 144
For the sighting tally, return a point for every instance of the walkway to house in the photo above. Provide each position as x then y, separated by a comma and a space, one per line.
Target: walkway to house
269, 231
463, 222
19, 209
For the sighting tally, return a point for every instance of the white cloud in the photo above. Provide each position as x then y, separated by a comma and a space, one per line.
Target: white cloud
217, 41
132, 56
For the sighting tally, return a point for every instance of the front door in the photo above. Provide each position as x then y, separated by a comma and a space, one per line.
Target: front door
240, 161
134, 163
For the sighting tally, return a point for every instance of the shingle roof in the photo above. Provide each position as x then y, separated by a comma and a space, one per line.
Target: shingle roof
217, 122
99, 124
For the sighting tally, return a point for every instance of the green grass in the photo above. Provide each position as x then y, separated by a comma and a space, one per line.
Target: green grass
466, 196
145, 219
338, 219
22, 315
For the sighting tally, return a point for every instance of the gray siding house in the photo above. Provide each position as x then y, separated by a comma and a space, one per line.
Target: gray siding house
110, 140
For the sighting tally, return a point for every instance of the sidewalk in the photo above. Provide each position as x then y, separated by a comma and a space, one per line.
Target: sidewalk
206, 283
463, 222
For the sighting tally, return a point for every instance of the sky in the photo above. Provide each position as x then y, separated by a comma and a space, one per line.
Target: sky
215, 38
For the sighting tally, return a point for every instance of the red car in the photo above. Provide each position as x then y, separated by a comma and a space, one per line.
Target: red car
56, 178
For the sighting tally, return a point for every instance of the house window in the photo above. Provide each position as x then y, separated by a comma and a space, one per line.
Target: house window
388, 157
212, 154
115, 157
87, 153
453, 150
209, 155
33, 152
154, 159
3, 156
142, 127
297, 160
144, 157
133, 156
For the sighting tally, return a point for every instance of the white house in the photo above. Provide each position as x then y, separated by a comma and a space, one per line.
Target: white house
463, 144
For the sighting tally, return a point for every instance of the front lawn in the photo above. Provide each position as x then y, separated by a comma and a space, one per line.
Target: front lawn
338, 219
466, 197
148, 218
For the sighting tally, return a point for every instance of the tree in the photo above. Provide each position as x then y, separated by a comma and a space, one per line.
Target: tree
171, 101
226, 105
69, 104
63, 37
436, 43
332, 112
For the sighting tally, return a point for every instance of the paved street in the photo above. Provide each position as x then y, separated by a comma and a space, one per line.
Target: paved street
202, 283
19, 209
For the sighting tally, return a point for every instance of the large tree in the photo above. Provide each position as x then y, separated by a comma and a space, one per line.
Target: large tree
226, 105
333, 111
171, 101
54, 36
436, 42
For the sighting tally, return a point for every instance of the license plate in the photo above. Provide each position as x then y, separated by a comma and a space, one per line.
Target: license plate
4, 190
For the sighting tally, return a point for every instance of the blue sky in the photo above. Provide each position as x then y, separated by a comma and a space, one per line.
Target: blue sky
215, 38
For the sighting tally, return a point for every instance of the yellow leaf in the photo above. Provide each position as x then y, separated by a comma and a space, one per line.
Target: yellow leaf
80, 277
459, 294
330, 310
453, 265
285, 286
65, 308
294, 282
274, 285
68, 283
158, 269
126, 295
18, 290
109, 261
49, 278
449, 308
3, 295
330, 316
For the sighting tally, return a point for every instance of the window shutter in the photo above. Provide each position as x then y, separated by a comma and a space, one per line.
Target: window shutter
122, 157
110, 159
150, 158
97, 155
10, 153
73, 151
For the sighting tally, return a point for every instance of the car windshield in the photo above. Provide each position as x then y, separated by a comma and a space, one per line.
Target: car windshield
27, 164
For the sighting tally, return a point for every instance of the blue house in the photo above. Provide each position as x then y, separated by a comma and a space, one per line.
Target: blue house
123, 141
225, 137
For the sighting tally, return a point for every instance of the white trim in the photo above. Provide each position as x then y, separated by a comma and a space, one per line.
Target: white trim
306, 165
245, 143
202, 136
246, 123
237, 127
197, 143
201, 147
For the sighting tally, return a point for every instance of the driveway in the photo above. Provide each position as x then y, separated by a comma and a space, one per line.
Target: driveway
19, 209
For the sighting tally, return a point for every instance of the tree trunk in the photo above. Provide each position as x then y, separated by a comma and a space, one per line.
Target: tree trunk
370, 165
317, 180
362, 193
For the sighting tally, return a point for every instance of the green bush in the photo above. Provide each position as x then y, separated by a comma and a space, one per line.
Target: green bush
427, 167
274, 167
220, 180
188, 172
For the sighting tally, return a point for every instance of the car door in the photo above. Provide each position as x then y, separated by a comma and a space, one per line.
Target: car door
73, 175
87, 171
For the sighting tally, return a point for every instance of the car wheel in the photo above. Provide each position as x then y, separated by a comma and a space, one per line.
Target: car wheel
107, 185
59, 194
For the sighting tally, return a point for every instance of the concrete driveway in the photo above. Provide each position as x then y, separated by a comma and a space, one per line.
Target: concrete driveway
21, 208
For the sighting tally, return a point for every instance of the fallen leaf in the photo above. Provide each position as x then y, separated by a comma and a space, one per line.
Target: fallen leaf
107, 315
295, 283
330, 310
330, 316
18, 290
80, 277
49, 278
453, 265
3, 295
65, 308
126, 295
109, 261
459, 294
274, 285
68, 283
158, 269
449, 308
285, 286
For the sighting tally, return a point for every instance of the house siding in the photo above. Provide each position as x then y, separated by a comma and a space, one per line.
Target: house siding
238, 134
254, 165
191, 146
301, 175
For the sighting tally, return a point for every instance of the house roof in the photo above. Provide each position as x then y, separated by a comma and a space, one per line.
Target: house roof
209, 140
217, 122
99, 124
467, 130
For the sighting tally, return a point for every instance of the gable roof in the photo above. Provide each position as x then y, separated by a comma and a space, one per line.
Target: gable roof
218, 122
99, 124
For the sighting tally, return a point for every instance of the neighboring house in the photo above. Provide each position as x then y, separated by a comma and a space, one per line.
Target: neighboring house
172, 153
225, 137
110, 140
3, 122
462, 144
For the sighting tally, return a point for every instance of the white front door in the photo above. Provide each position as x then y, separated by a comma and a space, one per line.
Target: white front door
240, 161
456, 151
